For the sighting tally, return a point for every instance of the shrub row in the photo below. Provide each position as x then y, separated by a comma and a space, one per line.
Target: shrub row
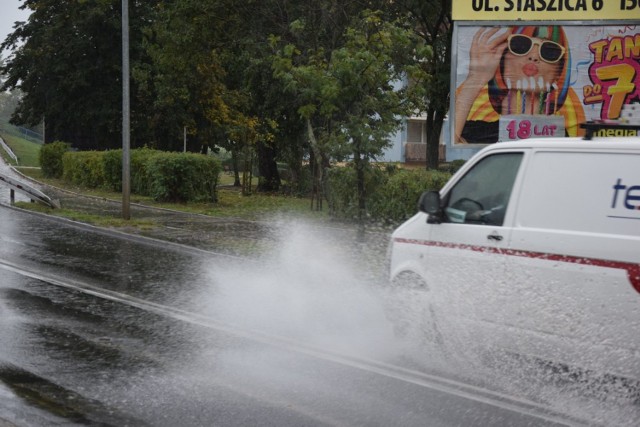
50, 158
166, 177
392, 194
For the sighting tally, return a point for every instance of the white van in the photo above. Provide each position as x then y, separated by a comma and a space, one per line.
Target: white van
533, 247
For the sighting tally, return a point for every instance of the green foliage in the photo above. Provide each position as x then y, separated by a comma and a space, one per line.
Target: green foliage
397, 199
66, 56
112, 169
139, 176
431, 20
453, 166
341, 190
206, 65
393, 193
28, 152
50, 159
183, 177
83, 168
297, 182
349, 97
168, 177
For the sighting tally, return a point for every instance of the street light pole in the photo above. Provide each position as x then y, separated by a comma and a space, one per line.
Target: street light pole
126, 120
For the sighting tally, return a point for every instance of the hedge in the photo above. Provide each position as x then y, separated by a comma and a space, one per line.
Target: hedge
341, 190
183, 177
50, 158
397, 199
83, 168
392, 194
167, 177
138, 159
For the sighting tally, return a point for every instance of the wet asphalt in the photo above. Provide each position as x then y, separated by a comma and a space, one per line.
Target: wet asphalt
191, 232
230, 236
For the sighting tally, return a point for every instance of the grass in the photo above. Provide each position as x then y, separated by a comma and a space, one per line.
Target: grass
231, 202
97, 220
26, 150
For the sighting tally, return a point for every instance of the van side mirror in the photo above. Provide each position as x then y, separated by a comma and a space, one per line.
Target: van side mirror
430, 204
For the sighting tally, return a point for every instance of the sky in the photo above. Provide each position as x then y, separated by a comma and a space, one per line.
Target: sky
9, 13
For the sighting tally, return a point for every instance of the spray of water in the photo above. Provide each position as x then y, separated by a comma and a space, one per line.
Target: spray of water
309, 289
318, 287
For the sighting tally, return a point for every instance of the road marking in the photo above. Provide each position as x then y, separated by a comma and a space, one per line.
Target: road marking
422, 379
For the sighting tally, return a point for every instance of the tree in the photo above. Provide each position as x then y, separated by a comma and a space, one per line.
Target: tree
67, 62
8, 100
431, 21
205, 59
317, 26
354, 100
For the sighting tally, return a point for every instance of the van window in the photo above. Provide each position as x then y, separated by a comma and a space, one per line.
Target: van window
481, 196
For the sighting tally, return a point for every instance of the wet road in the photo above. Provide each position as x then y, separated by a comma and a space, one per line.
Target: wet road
96, 329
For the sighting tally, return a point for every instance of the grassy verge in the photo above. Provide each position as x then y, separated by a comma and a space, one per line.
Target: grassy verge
26, 151
97, 220
231, 202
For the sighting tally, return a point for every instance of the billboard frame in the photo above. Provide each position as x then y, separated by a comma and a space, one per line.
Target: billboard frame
454, 150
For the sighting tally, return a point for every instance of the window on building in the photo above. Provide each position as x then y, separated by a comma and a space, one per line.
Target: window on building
414, 131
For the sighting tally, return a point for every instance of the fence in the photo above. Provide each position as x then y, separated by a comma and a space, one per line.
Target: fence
22, 132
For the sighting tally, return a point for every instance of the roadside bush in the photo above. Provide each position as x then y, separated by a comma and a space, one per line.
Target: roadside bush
83, 168
50, 158
112, 169
397, 199
296, 182
341, 190
140, 178
170, 177
183, 177
453, 166
138, 160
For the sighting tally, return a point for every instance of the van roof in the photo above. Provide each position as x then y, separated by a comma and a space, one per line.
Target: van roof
577, 144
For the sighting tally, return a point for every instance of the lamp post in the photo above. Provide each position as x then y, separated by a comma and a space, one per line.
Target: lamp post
126, 120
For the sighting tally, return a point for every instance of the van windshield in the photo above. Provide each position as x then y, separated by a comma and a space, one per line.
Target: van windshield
482, 195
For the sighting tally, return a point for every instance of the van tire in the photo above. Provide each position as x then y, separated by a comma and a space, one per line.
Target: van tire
411, 311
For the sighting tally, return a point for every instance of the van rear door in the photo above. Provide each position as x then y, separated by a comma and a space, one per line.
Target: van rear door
575, 249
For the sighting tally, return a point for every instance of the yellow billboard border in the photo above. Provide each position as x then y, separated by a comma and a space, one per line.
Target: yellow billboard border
545, 10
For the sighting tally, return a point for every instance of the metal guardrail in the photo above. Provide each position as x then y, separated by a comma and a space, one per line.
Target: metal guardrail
8, 150
33, 193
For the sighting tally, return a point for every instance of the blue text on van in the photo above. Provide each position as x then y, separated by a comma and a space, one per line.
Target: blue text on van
630, 194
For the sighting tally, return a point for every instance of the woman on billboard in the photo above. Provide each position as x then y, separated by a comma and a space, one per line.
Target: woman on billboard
523, 72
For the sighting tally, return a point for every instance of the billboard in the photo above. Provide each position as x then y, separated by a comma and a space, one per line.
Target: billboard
547, 10
521, 81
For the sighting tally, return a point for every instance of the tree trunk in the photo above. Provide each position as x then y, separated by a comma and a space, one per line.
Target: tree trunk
434, 128
360, 185
269, 178
316, 168
247, 171
236, 168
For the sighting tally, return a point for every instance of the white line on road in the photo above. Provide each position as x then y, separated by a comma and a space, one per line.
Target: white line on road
430, 381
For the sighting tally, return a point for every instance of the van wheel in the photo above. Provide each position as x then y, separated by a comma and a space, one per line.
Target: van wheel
411, 310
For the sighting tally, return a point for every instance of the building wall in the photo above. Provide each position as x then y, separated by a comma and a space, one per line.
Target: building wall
409, 146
